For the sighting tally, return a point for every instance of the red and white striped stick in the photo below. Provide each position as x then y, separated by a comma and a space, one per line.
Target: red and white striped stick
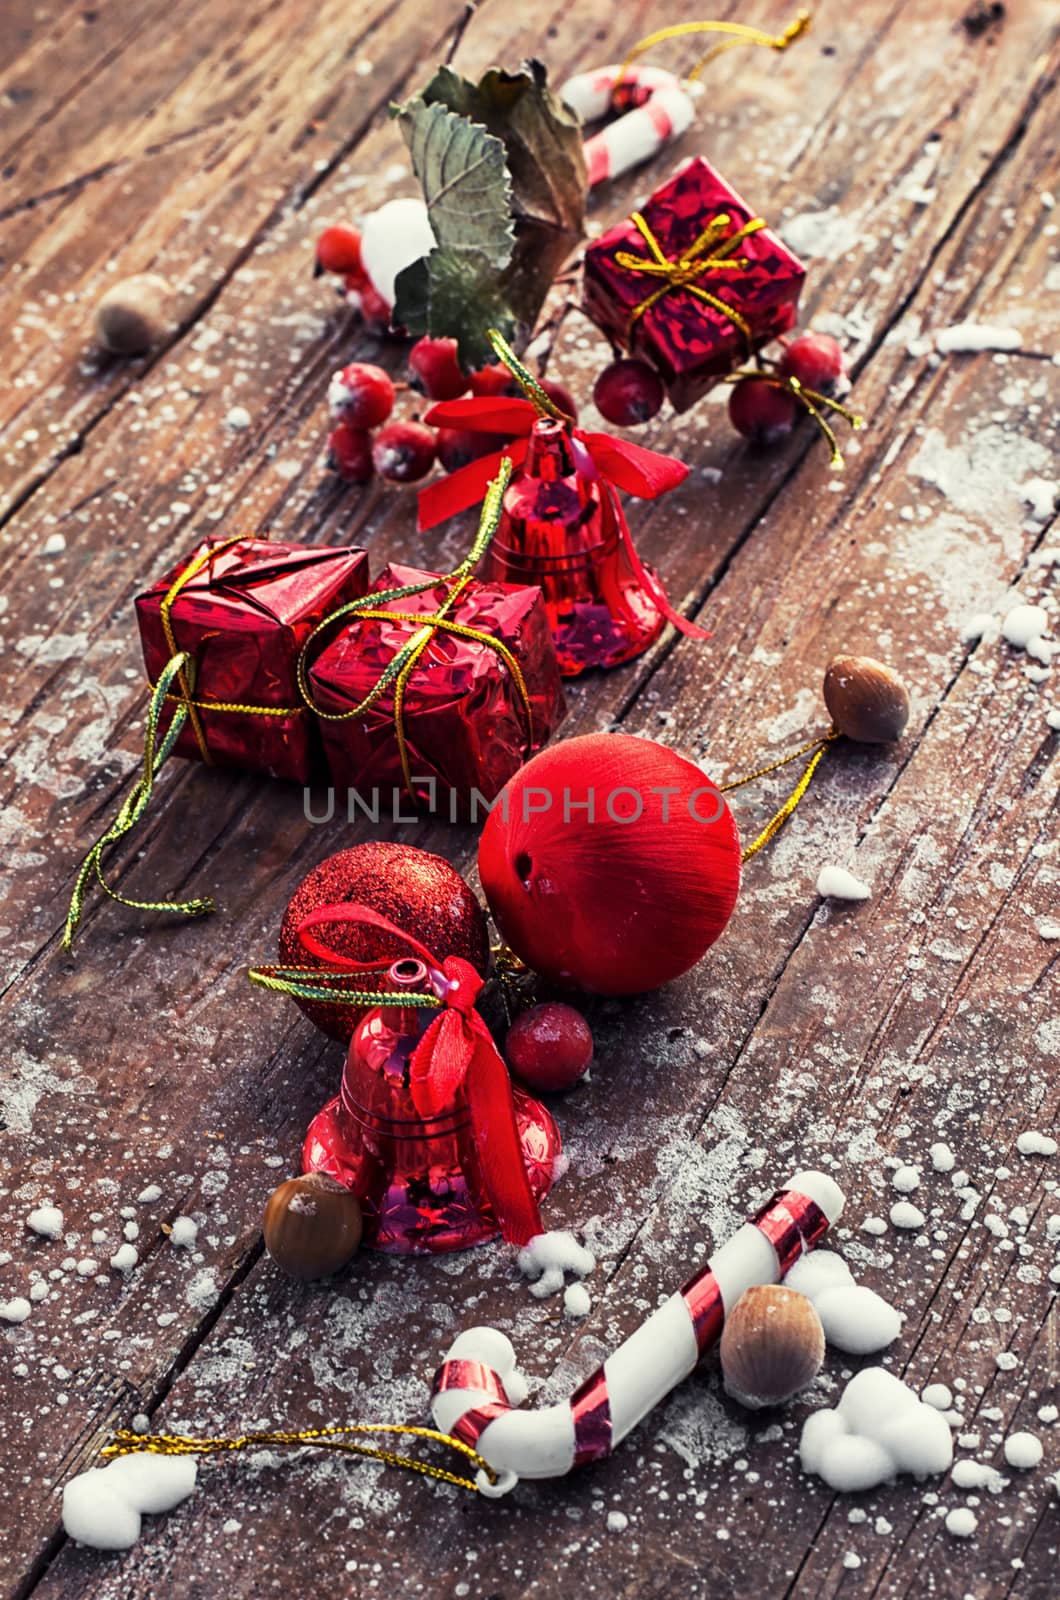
660, 110
476, 1391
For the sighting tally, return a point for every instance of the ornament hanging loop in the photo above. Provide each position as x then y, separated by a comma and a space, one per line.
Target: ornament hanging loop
812, 401
740, 33
818, 747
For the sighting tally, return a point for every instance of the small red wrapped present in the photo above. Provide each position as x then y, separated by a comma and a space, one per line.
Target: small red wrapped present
243, 609
694, 284
470, 689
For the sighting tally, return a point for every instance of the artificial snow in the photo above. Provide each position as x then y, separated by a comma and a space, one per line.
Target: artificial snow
548, 1257
102, 1507
963, 336
879, 1429
16, 1310
906, 1215
47, 1221
961, 1522
1036, 1144
977, 1475
906, 1179
576, 1300
150, 1194
938, 1396
942, 1157
1025, 626
836, 883
1023, 1450
617, 1522
124, 1258
855, 1319
184, 1232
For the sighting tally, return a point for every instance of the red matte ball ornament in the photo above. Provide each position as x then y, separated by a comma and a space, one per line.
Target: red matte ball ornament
419, 892
611, 864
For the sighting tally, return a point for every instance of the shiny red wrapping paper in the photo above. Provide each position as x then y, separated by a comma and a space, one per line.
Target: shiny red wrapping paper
691, 343
243, 618
464, 719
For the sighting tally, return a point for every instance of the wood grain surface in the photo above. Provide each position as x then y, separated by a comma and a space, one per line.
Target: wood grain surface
911, 155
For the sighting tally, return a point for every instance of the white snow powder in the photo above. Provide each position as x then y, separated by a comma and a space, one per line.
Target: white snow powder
576, 1300
906, 1179
1036, 1144
878, 1429
836, 883
238, 419
961, 1522
47, 1221
16, 1310
184, 1232
102, 1507
147, 1196
937, 1395
963, 336
124, 1258
617, 1522
856, 1319
548, 1257
978, 1475
942, 1157
906, 1215
1023, 1450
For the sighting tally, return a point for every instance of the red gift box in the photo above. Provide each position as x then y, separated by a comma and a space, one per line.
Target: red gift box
481, 696
243, 613
694, 284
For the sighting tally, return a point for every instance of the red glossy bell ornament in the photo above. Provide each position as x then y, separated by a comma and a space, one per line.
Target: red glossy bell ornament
561, 530
427, 1130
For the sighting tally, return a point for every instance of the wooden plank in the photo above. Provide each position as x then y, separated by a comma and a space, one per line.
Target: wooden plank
274, 836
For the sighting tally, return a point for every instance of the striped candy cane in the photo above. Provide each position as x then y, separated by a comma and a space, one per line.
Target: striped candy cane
477, 1389
660, 110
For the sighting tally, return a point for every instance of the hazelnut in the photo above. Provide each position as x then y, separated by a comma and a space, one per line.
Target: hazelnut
865, 699
312, 1225
132, 315
772, 1345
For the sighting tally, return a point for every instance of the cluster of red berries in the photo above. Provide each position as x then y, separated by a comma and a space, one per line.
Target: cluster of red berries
629, 392
361, 397
338, 250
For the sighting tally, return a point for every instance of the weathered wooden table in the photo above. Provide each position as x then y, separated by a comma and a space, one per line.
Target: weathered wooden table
911, 152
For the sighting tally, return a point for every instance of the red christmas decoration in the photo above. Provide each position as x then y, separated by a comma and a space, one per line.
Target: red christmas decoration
411, 888
694, 283
550, 1046
242, 609
481, 694
426, 1129
563, 527
612, 864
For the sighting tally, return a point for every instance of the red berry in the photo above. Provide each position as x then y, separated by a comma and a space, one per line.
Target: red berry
361, 395
374, 308
550, 1047
628, 393
457, 447
350, 453
403, 451
339, 250
435, 364
816, 359
494, 380
560, 396
761, 411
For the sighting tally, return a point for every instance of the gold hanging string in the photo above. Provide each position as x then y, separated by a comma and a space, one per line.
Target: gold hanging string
685, 270
125, 1443
309, 983
399, 670
811, 401
739, 34
777, 821
180, 667
530, 386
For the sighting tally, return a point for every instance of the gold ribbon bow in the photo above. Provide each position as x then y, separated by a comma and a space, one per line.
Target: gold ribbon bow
712, 251
371, 608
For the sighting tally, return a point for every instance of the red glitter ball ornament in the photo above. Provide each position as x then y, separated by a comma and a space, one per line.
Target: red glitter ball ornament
412, 888
612, 865
550, 1046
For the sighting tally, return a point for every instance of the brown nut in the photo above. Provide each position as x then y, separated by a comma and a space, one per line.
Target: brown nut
772, 1345
312, 1225
865, 699
132, 315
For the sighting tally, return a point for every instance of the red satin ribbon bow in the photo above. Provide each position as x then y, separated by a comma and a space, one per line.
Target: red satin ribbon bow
456, 1053
617, 463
